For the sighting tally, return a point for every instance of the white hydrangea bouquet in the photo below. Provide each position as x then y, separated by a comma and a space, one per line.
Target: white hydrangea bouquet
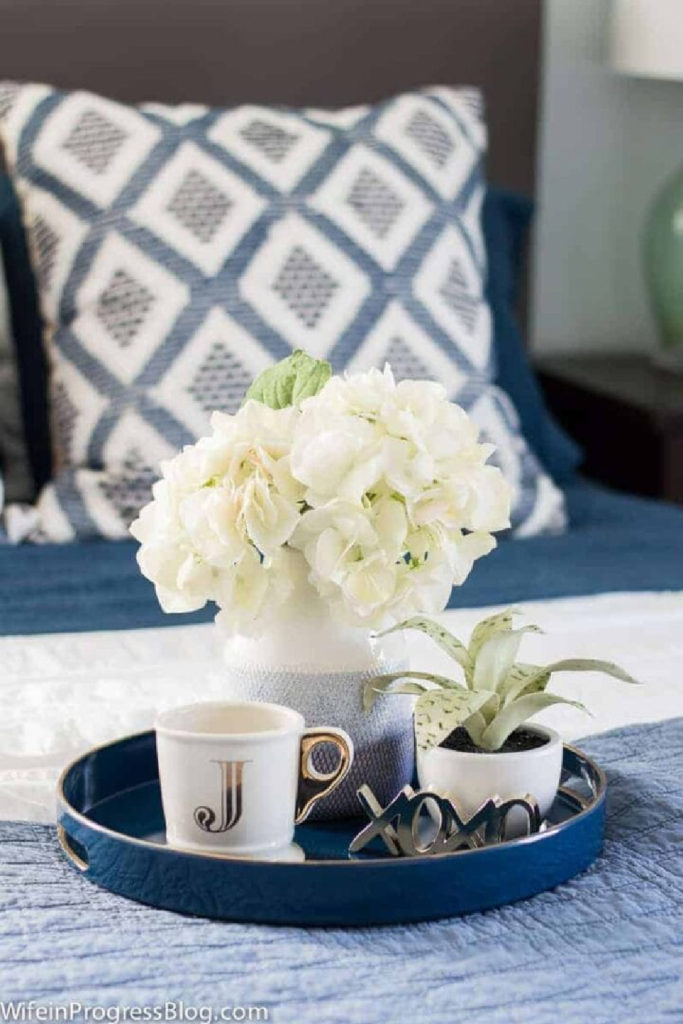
383, 490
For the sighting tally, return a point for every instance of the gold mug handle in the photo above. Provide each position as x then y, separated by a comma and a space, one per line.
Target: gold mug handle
314, 785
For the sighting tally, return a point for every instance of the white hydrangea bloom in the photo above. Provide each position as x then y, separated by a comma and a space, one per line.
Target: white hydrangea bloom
401, 501
220, 516
382, 487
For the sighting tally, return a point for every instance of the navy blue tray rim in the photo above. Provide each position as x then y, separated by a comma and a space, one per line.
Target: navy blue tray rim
118, 856
67, 810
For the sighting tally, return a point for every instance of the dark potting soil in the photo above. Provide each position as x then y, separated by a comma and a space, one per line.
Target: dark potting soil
520, 739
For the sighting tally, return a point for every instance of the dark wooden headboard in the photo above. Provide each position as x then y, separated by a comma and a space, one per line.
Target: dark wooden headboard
294, 52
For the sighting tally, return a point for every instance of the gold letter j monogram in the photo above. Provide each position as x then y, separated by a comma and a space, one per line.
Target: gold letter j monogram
231, 799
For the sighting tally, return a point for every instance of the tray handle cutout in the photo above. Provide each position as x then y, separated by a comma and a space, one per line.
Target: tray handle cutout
75, 851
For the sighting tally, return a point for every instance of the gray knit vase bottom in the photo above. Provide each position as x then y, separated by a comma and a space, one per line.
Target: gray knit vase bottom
384, 746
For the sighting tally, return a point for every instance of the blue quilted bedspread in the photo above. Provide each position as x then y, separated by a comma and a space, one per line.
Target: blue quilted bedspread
604, 948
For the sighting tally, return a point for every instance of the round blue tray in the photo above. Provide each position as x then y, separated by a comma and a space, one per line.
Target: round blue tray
111, 828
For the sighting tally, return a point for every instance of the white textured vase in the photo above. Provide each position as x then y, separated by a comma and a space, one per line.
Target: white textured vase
309, 662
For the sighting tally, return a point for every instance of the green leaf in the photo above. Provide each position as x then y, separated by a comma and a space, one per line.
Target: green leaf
383, 684
312, 376
290, 381
524, 679
515, 714
475, 725
441, 636
496, 657
488, 627
583, 665
439, 712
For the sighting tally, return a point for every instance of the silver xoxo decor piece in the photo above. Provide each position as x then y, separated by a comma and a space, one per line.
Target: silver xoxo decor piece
401, 824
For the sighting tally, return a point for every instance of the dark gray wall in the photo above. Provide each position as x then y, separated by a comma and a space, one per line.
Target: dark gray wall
323, 52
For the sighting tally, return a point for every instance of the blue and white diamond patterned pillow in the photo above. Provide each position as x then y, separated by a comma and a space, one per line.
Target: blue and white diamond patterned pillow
181, 250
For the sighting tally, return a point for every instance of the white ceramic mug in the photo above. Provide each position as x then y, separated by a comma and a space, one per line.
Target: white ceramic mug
237, 776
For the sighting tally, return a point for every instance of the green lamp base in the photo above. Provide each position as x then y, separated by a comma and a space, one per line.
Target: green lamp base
663, 267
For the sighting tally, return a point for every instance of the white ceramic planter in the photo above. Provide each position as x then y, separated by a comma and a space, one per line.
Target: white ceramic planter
309, 662
470, 779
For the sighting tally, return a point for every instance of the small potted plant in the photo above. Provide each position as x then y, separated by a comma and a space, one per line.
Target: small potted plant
472, 736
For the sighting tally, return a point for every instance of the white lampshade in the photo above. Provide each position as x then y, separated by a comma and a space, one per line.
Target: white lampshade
646, 38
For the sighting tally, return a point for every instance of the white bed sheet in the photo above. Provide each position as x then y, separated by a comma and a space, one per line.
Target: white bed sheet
64, 693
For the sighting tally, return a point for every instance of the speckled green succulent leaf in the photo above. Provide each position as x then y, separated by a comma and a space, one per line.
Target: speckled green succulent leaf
441, 636
387, 684
496, 657
584, 665
523, 679
439, 712
515, 714
487, 628
476, 725
290, 381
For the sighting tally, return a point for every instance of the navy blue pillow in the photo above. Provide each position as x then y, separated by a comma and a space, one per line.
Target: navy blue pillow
27, 333
506, 219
